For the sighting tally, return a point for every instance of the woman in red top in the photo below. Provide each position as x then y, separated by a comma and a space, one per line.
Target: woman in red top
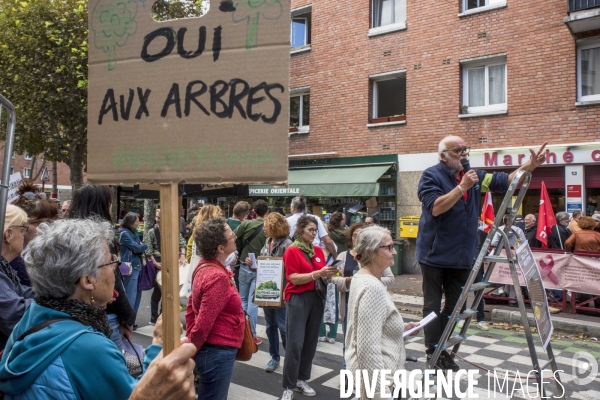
214, 316
304, 308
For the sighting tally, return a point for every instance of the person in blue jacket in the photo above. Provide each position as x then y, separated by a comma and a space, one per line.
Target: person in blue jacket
15, 297
450, 208
70, 356
131, 250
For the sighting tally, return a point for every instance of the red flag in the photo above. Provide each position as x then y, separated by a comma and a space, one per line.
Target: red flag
546, 219
487, 213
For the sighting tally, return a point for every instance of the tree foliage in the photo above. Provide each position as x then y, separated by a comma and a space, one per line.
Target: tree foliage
164, 10
43, 72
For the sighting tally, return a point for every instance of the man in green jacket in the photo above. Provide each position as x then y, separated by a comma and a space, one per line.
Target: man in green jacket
250, 239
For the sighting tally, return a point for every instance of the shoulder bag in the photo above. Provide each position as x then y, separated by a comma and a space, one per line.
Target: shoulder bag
320, 283
249, 346
147, 276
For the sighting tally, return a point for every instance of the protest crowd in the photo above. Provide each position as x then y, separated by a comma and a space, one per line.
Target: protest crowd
71, 283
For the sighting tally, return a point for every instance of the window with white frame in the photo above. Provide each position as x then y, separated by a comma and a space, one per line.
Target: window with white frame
300, 32
387, 12
299, 110
472, 4
389, 95
27, 156
26, 172
588, 72
484, 85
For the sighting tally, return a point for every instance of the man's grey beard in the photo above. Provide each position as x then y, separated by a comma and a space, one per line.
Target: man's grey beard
455, 165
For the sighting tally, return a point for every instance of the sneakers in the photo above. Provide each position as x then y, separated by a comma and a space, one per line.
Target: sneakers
331, 340
460, 324
258, 341
303, 388
513, 303
152, 321
554, 310
272, 365
287, 395
322, 338
483, 326
444, 362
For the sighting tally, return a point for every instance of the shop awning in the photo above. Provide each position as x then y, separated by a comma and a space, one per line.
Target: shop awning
328, 182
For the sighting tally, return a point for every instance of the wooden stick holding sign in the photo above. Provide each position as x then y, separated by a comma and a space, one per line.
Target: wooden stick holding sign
169, 251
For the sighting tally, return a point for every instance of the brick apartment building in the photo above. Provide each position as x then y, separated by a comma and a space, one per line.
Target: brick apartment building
393, 77
24, 164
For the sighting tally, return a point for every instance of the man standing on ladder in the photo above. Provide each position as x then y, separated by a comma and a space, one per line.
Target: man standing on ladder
450, 198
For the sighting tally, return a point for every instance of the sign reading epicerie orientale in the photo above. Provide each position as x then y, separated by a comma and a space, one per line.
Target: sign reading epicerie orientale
265, 190
585, 153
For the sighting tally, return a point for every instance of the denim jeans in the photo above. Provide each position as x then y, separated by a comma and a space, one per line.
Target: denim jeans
215, 367
247, 284
155, 299
275, 318
131, 288
113, 322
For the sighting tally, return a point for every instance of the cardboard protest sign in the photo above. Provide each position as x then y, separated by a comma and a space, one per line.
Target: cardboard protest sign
269, 282
14, 182
199, 100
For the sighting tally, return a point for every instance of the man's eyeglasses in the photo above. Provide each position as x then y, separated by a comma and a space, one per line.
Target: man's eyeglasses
390, 247
114, 261
460, 150
24, 228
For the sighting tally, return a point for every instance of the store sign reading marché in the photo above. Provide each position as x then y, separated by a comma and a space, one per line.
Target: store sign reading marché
555, 155
201, 100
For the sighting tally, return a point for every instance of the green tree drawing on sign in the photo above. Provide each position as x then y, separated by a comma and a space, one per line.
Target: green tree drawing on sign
113, 21
252, 11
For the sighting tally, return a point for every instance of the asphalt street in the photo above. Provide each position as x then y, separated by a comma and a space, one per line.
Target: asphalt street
498, 349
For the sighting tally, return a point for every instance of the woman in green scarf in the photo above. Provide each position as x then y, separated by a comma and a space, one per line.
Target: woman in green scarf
304, 309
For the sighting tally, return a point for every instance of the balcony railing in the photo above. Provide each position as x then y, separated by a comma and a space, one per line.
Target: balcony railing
577, 5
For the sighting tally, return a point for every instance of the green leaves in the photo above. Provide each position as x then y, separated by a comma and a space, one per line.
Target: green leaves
43, 59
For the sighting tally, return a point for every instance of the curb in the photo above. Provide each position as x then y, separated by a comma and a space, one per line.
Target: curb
565, 325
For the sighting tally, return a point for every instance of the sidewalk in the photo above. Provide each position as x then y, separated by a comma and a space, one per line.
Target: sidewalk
407, 294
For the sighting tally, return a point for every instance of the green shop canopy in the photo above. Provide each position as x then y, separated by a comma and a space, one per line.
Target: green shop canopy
327, 182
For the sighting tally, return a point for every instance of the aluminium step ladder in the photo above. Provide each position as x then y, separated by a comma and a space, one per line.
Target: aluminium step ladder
446, 340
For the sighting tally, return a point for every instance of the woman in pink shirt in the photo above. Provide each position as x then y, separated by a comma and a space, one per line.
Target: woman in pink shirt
214, 316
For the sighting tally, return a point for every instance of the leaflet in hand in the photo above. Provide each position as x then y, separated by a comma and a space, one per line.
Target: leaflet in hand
253, 259
422, 323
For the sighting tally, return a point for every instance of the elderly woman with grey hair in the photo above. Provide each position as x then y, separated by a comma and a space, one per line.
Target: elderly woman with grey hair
375, 327
61, 346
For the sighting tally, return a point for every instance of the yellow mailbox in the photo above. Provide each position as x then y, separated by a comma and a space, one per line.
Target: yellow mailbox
409, 226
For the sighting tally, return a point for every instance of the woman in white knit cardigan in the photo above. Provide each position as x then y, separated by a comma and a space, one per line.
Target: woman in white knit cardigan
375, 327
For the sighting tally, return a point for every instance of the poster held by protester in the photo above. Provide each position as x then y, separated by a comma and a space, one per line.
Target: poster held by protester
192, 100
14, 182
537, 293
195, 100
269, 282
